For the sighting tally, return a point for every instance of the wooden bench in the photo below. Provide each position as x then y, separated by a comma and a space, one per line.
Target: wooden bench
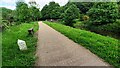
31, 31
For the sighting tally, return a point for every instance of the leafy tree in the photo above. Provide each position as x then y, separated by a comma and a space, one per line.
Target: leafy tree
22, 12
103, 13
63, 9
44, 12
119, 8
71, 13
84, 6
51, 11
67, 5
6, 13
34, 13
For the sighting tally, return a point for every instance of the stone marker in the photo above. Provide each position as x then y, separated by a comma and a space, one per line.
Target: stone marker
22, 45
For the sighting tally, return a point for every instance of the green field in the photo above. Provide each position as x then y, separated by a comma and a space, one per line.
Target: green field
11, 55
104, 47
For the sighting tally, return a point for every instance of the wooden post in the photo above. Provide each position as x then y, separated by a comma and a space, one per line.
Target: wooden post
31, 31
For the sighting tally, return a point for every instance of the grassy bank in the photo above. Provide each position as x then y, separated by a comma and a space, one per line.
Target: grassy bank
104, 47
11, 55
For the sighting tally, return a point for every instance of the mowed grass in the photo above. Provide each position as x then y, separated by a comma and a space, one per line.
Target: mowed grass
11, 55
105, 47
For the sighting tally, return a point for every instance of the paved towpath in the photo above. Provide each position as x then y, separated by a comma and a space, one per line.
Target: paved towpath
54, 49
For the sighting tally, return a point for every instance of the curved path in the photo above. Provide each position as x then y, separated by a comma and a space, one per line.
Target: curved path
54, 49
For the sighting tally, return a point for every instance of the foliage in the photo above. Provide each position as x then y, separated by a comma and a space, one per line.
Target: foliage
84, 6
35, 14
103, 13
11, 55
112, 27
4, 24
22, 12
44, 12
63, 9
51, 11
71, 13
7, 14
119, 8
105, 47
78, 25
7, 18
25, 13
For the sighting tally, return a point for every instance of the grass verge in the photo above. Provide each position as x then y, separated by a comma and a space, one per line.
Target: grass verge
105, 47
11, 55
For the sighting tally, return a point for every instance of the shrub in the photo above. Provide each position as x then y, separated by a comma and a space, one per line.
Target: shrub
112, 27
4, 24
78, 25
76, 20
103, 13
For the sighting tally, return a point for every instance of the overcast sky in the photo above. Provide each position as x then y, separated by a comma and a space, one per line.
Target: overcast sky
11, 3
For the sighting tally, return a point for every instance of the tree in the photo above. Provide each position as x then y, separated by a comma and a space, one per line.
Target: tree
63, 9
34, 13
51, 11
7, 15
103, 13
44, 12
119, 8
84, 6
22, 12
71, 13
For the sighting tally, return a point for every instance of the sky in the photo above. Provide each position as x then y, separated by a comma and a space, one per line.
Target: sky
11, 4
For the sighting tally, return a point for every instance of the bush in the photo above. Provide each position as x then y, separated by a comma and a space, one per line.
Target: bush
4, 24
71, 13
103, 13
112, 27
76, 20
78, 25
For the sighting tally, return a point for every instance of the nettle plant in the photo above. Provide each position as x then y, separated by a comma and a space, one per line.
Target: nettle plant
103, 13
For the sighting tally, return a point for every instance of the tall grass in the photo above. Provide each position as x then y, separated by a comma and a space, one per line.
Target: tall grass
105, 47
11, 55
